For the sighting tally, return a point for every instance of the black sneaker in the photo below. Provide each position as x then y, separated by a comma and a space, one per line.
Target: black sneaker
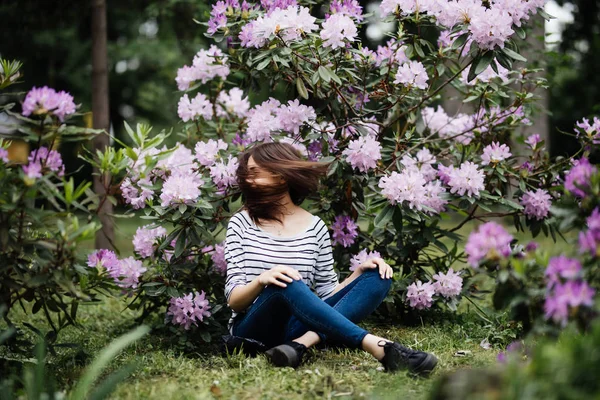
286, 355
400, 357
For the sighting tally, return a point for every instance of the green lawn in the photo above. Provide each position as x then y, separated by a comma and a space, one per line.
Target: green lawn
165, 373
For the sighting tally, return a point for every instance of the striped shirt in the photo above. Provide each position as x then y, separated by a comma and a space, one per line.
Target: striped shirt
249, 251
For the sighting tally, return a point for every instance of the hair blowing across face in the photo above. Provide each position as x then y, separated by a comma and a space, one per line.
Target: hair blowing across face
299, 177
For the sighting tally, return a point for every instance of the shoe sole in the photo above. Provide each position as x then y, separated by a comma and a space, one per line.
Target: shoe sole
282, 356
426, 366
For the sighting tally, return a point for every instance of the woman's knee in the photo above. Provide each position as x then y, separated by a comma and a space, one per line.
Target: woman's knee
294, 286
380, 284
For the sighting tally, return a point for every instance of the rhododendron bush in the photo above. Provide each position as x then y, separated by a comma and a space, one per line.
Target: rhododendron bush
401, 163
41, 210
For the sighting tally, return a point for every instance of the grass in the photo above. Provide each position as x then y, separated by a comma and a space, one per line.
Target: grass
163, 372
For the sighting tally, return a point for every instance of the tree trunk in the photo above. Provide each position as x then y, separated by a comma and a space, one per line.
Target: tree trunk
101, 117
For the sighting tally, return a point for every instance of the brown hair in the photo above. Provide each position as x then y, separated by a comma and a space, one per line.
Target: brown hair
300, 179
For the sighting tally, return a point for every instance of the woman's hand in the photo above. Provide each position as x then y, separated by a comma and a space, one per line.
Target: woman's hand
384, 269
278, 275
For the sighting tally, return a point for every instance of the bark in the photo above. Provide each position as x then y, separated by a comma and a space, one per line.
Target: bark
101, 117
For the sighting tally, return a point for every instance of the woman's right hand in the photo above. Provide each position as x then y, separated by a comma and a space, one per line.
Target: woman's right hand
278, 275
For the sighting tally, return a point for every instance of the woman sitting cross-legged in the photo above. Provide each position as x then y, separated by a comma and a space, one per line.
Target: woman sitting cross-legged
276, 252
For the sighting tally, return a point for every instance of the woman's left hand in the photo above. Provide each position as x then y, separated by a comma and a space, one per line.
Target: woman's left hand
384, 269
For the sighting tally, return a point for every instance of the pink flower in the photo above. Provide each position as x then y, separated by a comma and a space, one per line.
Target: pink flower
336, 29
224, 175
489, 241
144, 240
420, 295
537, 204
199, 106
181, 188
46, 100
218, 258
345, 230
494, 153
136, 193
577, 180
207, 152
189, 309
448, 285
412, 73
45, 159
4, 155
533, 140
361, 257
589, 240
233, 103
363, 153
467, 180
106, 259
130, 271
562, 267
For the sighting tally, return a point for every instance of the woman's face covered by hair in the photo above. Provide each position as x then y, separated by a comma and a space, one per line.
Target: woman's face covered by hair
267, 172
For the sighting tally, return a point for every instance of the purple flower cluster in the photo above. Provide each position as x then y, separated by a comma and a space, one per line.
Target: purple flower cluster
589, 239
271, 116
465, 180
189, 309
41, 160
207, 64
145, 240
3, 154
577, 179
289, 23
591, 131
533, 141
537, 204
412, 74
363, 153
224, 174
420, 295
345, 230
44, 100
490, 242
126, 272
566, 289
218, 14
350, 8
361, 257
448, 285
411, 187
494, 153
337, 29
489, 25
207, 152
218, 258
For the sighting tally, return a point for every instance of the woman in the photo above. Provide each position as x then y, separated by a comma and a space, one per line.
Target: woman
276, 251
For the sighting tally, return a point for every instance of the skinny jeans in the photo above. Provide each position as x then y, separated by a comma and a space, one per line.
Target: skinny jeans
282, 314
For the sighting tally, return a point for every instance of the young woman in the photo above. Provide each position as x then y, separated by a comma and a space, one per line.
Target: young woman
277, 252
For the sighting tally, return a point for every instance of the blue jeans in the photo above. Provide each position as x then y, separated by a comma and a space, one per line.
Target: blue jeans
282, 314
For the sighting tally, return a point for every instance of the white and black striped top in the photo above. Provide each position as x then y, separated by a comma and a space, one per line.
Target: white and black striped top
250, 250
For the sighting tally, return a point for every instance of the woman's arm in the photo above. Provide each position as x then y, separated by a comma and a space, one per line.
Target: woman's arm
244, 295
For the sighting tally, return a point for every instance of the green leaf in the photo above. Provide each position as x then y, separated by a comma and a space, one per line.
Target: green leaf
484, 61
324, 74
262, 65
520, 32
460, 41
85, 383
513, 54
301, 88
384, 216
